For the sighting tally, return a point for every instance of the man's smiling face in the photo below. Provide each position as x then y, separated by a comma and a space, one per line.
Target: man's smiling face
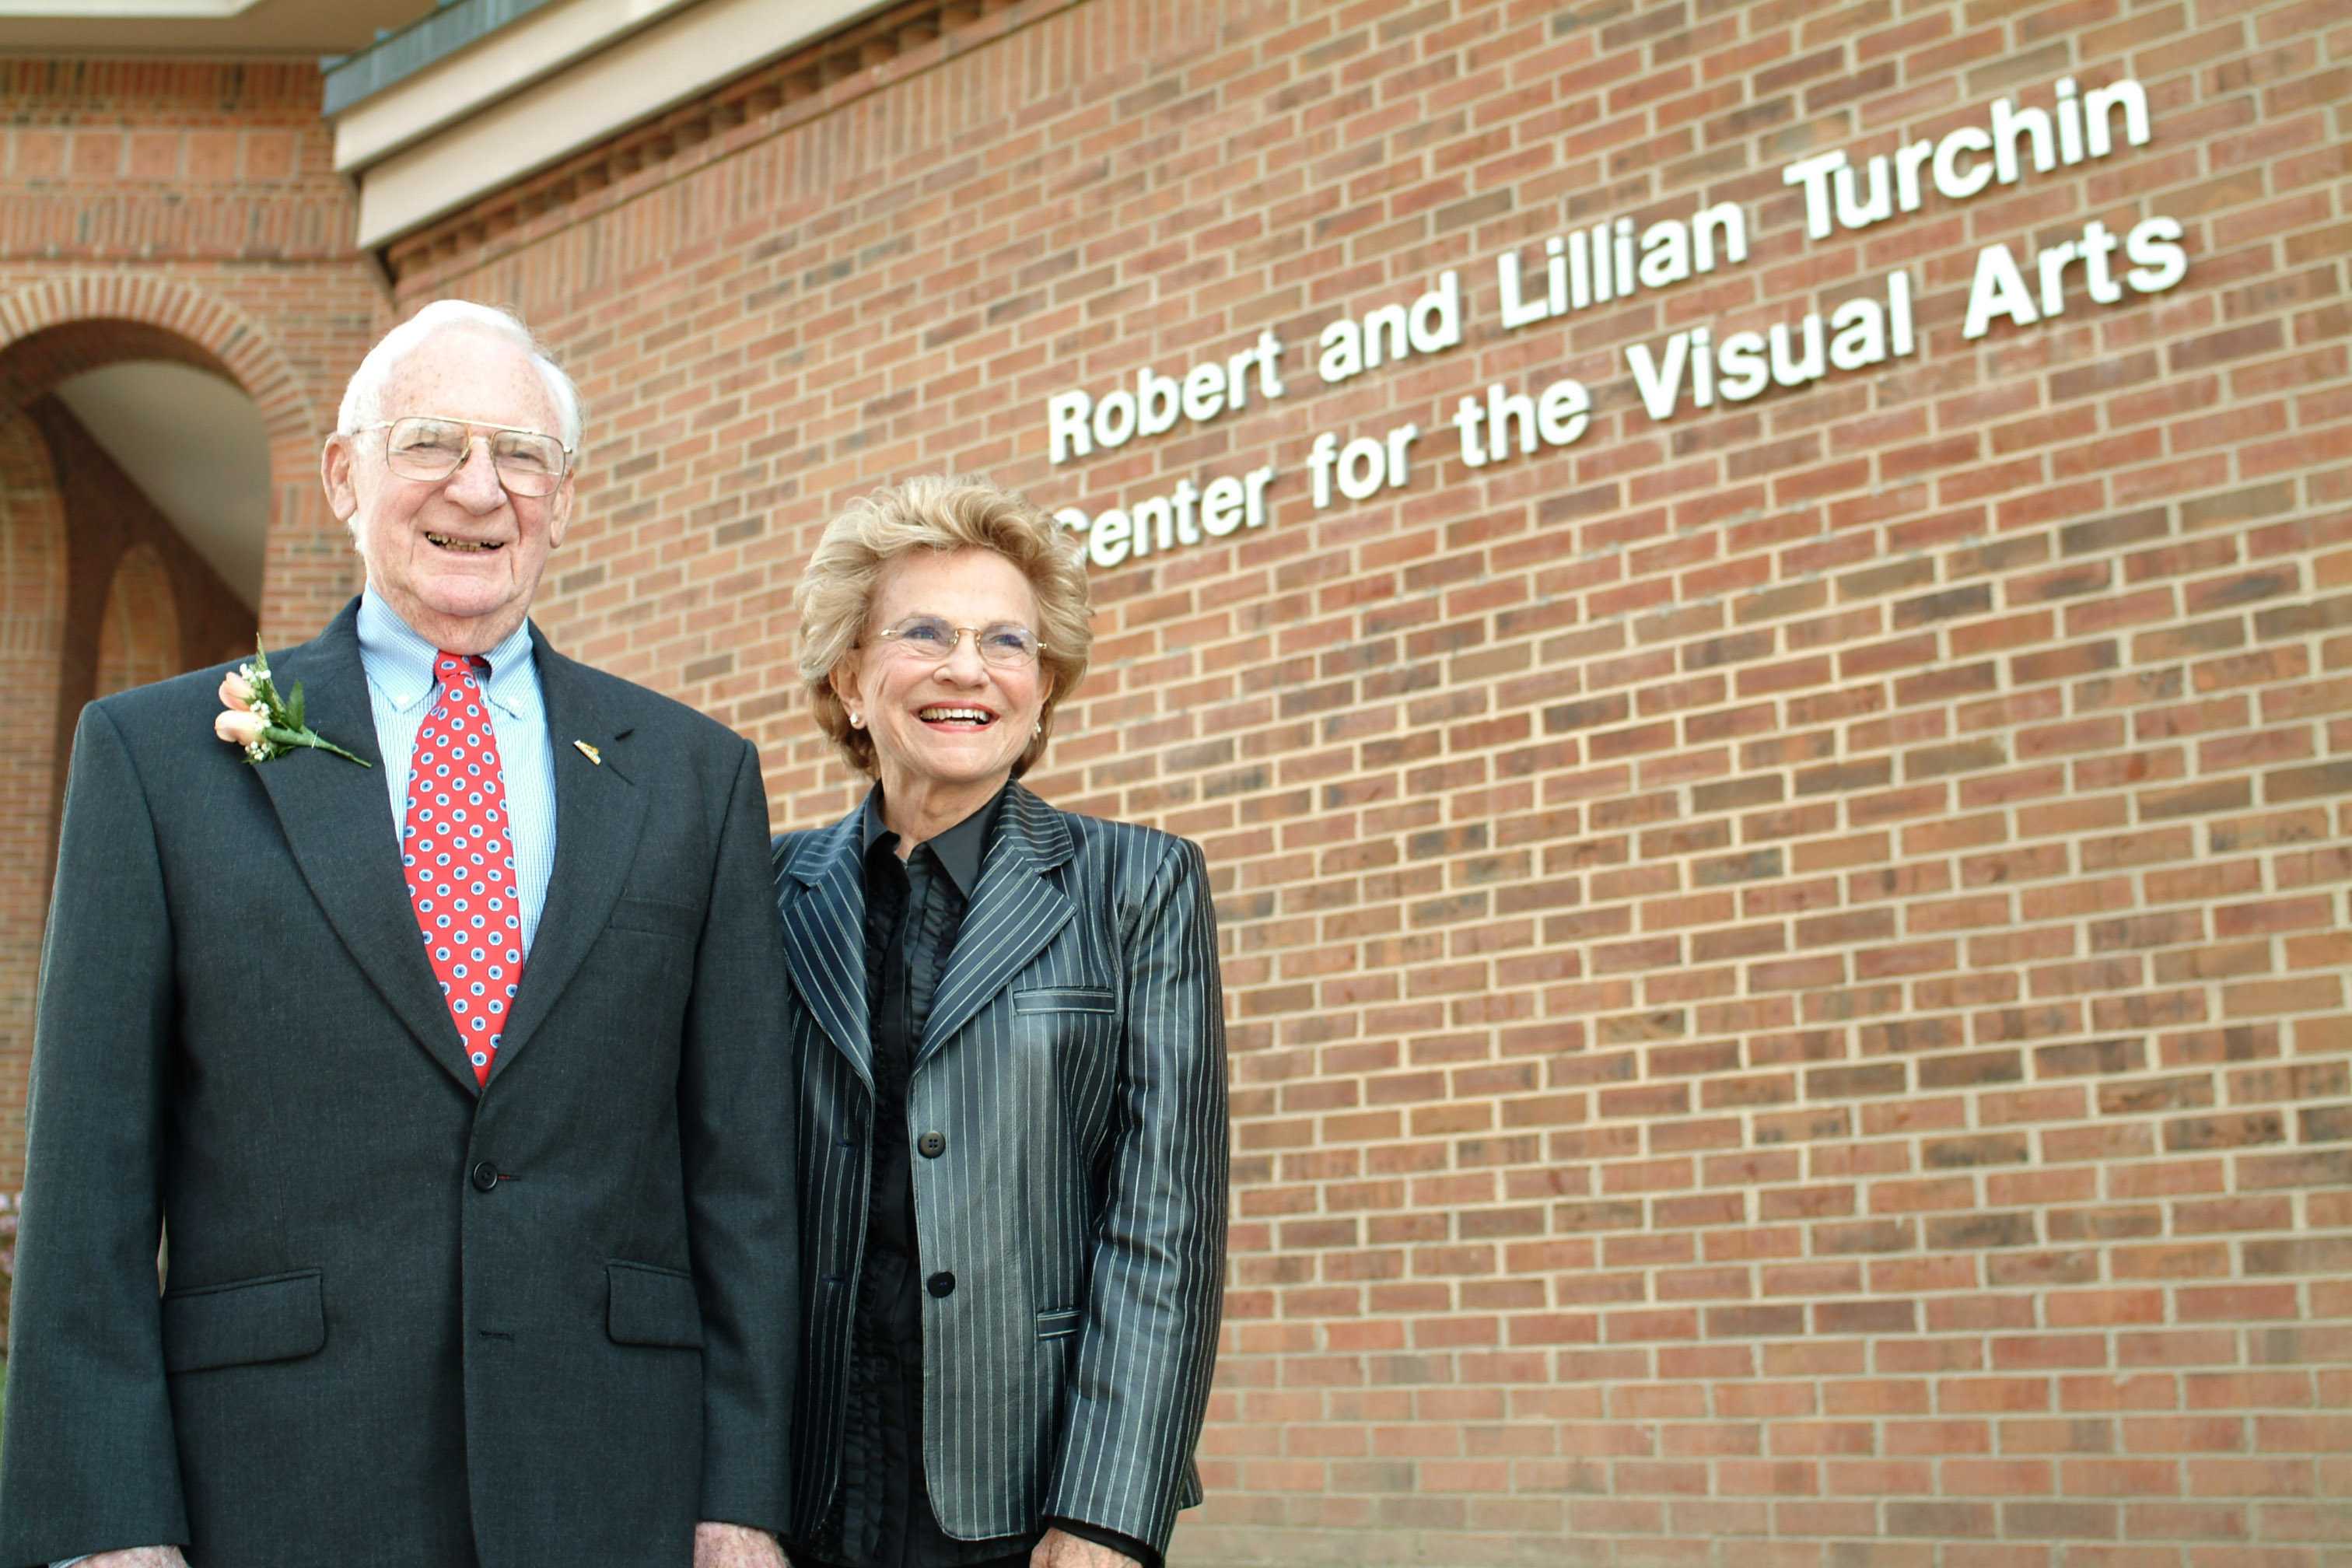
458, 559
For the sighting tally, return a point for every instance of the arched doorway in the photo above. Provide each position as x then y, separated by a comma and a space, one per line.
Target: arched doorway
53, 331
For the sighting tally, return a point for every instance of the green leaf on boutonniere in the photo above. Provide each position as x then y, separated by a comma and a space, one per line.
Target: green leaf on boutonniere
250, 694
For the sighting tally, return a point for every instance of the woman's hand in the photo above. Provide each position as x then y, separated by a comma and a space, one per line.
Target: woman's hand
1060, 1548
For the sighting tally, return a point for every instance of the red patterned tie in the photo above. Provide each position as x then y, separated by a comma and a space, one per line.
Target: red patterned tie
459, 858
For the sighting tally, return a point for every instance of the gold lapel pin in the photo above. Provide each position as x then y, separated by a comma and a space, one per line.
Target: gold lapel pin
589, 753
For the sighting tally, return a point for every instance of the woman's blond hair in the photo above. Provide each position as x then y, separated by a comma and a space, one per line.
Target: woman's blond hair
941, 513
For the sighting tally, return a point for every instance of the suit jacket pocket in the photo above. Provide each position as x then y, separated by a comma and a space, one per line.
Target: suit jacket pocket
1065, 999
280, 1317
652, 1305
1059, 1323
658, 916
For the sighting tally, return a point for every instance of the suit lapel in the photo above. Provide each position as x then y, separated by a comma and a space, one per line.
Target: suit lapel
1014, 912
825, 937
599, 813
337, 822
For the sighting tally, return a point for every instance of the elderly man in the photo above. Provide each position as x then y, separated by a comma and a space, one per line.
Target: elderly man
451, 1076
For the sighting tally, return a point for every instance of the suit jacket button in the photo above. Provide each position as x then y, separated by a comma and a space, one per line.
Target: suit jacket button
931, 1145
940, 1284
486, 1176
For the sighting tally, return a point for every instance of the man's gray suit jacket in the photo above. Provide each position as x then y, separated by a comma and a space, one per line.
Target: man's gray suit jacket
1074, 1069
404, 1323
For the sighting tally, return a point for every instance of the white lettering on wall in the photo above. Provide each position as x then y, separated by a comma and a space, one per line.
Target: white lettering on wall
1857, 327
1077, 421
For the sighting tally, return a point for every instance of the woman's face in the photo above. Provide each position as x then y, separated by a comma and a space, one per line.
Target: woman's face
944, 724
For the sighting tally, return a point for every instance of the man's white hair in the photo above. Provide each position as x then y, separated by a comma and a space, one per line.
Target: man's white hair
364, 396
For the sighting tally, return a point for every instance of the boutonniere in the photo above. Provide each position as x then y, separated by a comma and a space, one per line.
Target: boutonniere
266, 724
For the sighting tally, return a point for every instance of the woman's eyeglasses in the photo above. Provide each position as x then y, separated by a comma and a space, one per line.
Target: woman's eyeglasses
1006, 646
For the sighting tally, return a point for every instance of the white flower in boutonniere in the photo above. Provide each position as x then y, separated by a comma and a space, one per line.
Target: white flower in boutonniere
265, 725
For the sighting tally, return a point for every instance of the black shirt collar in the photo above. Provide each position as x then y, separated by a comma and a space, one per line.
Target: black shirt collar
959, 849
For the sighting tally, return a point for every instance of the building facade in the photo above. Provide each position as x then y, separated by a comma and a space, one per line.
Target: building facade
1752, 604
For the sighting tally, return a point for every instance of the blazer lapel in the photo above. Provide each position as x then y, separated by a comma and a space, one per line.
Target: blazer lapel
825, 938
337, 819
1014, 912
599, 812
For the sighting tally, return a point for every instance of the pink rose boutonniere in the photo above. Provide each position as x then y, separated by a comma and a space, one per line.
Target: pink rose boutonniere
266, 725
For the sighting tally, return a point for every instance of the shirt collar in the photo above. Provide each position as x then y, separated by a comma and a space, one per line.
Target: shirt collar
959, 849
400, 662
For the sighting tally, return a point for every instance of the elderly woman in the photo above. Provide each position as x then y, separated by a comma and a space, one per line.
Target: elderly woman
1012, 1103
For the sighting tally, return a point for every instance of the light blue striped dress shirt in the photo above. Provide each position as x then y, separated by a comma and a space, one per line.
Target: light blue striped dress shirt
399, 665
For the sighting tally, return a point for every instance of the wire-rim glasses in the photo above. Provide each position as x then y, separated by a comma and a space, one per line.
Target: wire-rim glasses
1007, 644
428, 447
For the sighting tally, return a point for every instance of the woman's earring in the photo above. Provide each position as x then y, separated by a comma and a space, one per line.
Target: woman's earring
1039, 732
856, 719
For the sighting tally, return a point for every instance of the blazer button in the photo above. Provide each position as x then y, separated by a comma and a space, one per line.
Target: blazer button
931, 1145
940, 1284
486, 1176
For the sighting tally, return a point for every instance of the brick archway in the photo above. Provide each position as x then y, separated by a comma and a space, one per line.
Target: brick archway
146, 317
60, 327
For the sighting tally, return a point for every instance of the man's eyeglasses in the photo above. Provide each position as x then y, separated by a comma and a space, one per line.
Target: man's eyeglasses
421, 447
1005, 645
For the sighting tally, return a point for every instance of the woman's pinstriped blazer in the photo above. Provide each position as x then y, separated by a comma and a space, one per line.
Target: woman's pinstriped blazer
1073, 1062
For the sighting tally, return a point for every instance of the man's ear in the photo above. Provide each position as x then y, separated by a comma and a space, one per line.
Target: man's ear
335, 460
559, 513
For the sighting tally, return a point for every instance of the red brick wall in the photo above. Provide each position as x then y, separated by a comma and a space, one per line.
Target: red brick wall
1786, 964
32, 637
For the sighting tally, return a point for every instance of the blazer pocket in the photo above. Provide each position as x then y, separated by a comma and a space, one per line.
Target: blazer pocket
280, 1317
1059, 1323
650, 1306
1065, 999
659, 917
